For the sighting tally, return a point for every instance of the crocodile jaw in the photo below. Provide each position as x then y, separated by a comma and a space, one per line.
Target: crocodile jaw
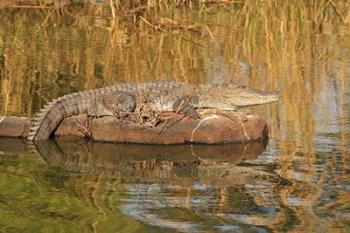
241, 96
249, 99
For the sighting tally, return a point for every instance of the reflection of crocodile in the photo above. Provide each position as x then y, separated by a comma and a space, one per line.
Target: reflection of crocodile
158, 96
156, 161
149, 161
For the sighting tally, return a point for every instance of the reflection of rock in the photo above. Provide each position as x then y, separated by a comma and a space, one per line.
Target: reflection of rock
210, 129
13, 146
206, 163
147, 160
141, 160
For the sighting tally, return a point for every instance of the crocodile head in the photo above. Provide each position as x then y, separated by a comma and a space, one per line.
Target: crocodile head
242, 96
231, 96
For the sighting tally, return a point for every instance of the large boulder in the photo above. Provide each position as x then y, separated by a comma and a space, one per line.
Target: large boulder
210, 129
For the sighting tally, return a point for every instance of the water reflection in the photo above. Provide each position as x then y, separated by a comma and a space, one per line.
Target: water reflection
150, 160
181, 187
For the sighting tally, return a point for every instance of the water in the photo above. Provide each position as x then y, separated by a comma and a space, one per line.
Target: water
299, 181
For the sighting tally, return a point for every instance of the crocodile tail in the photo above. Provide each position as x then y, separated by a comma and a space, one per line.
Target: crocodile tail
50, 116
45, 121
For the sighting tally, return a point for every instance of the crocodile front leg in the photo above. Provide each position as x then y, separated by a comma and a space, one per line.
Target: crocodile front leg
184, 105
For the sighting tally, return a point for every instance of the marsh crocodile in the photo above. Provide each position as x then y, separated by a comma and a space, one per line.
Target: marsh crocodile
158, 96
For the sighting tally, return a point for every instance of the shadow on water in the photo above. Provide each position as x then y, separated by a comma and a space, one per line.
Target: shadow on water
182, 187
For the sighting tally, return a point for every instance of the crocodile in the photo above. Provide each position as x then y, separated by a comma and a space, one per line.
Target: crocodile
159, 96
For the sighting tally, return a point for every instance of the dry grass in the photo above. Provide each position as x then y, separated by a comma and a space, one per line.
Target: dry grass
129, 40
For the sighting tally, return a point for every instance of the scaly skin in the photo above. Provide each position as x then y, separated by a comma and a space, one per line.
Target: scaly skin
159, 96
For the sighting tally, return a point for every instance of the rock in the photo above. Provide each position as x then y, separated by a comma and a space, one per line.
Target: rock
14, 126
210, 129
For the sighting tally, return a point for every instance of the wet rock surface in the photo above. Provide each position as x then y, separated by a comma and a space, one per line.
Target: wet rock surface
210, 129
14, 126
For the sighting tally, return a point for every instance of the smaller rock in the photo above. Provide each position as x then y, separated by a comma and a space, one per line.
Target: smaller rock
14, 126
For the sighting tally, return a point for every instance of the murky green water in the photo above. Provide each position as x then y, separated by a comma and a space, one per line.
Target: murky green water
299, 183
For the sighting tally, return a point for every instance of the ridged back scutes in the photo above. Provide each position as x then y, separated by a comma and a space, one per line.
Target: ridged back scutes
154, 85
37, 121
